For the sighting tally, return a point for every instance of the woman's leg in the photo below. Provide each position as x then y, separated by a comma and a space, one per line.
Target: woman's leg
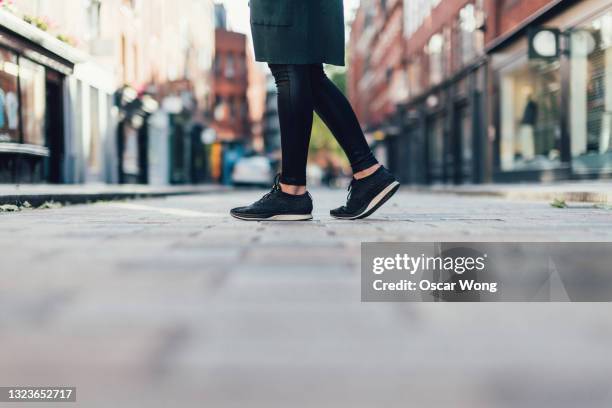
295, 111
336, 111
288, 199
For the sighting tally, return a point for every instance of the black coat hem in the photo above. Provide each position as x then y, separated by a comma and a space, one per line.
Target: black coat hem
299, 61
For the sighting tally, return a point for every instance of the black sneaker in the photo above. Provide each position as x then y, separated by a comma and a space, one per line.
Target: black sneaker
367, 195
277, 206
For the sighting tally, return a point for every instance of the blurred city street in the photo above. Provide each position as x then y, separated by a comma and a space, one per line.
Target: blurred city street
172, 303
127, 126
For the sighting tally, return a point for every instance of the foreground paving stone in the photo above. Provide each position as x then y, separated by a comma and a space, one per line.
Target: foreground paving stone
170, 302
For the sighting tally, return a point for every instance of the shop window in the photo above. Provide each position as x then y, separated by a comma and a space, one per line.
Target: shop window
435, 140
9, 100
33, 101
130, 150
591, 94
530, 115
465, 131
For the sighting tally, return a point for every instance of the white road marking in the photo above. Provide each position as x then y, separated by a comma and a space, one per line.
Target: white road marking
178, 212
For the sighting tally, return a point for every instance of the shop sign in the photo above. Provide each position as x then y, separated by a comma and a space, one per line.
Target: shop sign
544, 43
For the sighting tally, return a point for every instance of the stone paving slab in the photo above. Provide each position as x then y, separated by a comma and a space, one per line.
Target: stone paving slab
172, 303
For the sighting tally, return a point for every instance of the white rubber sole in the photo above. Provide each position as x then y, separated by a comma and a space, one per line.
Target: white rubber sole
284, 217
382, 196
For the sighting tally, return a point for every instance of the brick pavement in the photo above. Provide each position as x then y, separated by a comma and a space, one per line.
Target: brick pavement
171, 303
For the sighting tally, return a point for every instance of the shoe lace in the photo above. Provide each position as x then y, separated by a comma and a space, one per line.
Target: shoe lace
275, 188
350, 189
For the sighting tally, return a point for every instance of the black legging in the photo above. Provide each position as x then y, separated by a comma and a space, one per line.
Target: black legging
303, 89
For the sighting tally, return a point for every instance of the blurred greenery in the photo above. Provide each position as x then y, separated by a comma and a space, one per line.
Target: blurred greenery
558, 203
322, 139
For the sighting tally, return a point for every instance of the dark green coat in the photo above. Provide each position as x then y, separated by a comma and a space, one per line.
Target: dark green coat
298, 31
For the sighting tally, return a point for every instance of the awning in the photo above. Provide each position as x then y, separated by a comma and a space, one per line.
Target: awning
38, 45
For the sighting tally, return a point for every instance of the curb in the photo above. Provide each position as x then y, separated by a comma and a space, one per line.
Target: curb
38, 199
594, 197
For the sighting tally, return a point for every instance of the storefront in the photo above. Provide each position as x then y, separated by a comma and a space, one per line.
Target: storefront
553, 116
133, 135
56, 118
91, 123
31, 105
442, 131
160, 144
442, 125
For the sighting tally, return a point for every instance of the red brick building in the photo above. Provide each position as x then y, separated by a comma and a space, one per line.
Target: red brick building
507, 15
421, 84
463, 102
375, 60
356, 61
229, 101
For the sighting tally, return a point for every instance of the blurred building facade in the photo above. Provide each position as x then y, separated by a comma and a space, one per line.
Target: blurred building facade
257, 94
134, 101
465, 102
229, 115
271, 123
551, 117
35, 127
377, 59
230, 86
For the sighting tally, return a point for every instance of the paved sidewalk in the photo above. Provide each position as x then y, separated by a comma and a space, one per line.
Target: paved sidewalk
172, 303
597, 192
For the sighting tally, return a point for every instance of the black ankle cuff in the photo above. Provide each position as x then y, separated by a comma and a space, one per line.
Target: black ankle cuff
293, 181
365, 163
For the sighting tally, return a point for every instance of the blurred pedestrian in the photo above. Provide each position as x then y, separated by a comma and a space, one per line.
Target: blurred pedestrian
296, 38
527, 130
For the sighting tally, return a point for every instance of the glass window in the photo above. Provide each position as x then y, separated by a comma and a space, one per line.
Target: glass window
219, 112
435, 137
416, 12
33, 101
130, 150
231, 104
466, 134
230, 69
414, 77
591, 94
530, 116
9, 100
470, 38
218, 64
93, 8
435, 49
